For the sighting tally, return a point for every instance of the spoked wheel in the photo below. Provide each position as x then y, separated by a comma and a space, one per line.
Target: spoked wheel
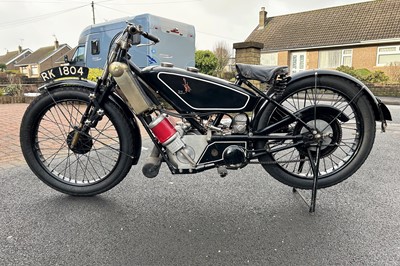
74, 162
338, 118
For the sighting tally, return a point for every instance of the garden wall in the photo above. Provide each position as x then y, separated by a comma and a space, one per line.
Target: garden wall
385, 90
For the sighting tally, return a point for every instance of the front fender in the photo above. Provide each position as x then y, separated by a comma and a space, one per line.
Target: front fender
90, 85
67, 83
381, 112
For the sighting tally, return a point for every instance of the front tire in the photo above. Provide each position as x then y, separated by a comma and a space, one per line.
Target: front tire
346, 144
102, 156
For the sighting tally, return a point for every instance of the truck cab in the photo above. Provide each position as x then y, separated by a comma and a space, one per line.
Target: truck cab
176, 46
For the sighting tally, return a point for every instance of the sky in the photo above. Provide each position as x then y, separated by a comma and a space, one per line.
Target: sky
36, 23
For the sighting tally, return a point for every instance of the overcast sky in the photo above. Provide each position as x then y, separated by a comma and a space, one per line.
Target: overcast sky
33, 23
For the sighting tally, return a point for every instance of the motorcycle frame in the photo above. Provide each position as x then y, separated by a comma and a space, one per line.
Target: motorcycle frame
106, 84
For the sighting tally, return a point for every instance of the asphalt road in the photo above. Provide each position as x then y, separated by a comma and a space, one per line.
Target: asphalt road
246, 218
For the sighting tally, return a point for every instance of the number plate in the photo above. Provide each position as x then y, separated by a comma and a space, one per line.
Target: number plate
64, 72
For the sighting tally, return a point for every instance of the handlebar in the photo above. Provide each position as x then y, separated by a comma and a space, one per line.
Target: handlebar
132, 29
153, 38
123, 42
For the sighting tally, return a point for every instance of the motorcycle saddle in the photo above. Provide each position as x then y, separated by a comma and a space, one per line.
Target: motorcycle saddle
261, 73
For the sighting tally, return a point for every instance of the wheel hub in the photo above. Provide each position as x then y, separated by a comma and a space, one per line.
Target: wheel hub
83, 145
326, 131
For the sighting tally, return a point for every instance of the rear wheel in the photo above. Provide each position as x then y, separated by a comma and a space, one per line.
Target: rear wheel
100, 158
344, 143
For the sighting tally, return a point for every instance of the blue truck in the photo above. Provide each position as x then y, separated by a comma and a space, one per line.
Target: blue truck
177, 42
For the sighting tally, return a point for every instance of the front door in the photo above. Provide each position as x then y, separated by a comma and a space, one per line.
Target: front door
298, 62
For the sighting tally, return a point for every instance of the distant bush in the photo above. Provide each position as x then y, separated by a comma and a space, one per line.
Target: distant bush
393, 71
377, 77
365, 75
206, 61
12, 90
13, 72
13, 86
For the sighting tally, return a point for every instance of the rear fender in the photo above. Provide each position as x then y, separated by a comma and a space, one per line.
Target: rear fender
381, 112
90, 85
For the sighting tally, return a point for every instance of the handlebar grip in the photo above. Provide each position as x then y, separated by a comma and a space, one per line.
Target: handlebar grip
150, 37
133, 29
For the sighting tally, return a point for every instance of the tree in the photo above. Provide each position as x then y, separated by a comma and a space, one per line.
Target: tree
3, 67
206, 61
221, 52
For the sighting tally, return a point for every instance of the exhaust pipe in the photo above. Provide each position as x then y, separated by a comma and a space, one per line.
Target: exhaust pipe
130, 87
152, 165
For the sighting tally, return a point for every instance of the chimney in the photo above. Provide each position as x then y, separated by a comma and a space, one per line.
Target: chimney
19, 49
56, 45
262, 19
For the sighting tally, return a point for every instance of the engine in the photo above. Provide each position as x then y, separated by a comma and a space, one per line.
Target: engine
188, 149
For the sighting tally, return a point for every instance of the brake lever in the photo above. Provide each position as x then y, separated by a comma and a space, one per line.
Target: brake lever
146, 44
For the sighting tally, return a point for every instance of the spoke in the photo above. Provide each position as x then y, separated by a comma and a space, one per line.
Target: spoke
301, 164
48, 138
56, 166
59, 125
97, 154
284, 156
99, 161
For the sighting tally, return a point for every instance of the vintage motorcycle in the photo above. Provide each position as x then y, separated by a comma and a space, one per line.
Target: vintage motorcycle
310, 130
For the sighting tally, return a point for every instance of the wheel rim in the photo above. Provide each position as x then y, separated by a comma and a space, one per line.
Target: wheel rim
339, 144
96, 155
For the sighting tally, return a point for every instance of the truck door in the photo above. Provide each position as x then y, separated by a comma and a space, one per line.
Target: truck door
95, 53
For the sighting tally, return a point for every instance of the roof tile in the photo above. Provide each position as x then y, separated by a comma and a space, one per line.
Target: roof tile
38, 55
349, 24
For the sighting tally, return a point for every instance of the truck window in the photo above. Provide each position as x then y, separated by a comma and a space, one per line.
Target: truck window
79, 55
95, 47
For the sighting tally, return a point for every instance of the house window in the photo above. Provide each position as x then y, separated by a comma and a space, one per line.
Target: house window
25, 70
388, 55
269, 59
335, 58
35, 70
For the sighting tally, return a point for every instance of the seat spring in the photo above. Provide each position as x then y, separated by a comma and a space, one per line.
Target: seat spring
280, 84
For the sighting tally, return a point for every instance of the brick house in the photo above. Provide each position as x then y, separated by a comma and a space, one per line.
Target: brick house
42, 59
13, 57
362, 35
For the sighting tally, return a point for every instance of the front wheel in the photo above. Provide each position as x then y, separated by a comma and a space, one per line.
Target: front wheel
101, 156
338, 113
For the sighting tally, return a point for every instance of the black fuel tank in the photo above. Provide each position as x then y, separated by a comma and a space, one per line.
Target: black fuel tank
187, 91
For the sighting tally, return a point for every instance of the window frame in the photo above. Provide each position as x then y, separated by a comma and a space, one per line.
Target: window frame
378, 53
343, 55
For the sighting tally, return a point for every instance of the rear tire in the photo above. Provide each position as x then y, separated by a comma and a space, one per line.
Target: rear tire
100, 160
346, 145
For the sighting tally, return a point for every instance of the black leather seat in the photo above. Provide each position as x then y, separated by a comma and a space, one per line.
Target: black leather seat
261, 73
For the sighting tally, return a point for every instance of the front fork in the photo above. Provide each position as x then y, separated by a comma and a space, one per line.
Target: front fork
93, 112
